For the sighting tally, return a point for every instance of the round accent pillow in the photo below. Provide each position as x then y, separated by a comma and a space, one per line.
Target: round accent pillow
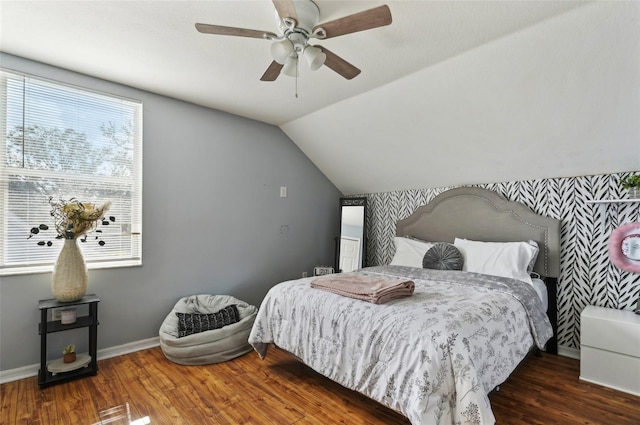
443, 256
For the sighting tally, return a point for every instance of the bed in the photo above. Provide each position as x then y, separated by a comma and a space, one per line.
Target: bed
436, 355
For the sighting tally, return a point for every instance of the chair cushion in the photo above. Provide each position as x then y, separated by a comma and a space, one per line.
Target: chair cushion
193, 323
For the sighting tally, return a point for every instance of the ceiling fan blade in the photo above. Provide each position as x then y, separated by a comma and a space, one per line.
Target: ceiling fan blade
241, 32
272, 72
286, 9
368, 19
339, 65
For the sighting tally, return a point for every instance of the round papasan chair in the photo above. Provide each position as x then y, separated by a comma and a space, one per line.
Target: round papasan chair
216, 345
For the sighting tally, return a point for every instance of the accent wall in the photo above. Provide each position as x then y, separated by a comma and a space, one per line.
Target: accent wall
587, 276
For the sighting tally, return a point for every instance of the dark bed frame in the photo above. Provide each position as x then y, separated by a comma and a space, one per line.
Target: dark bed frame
480, 214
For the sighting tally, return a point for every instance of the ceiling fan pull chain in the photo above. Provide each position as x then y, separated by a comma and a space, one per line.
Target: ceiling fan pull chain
297, 64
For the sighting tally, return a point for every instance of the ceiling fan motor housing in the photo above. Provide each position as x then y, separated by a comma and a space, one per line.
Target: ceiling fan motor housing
297, 38
308, 17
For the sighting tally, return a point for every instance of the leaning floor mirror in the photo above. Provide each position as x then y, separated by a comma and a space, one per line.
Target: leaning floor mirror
351, 247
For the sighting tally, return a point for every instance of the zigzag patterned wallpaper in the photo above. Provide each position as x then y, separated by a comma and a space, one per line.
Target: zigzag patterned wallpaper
587, 276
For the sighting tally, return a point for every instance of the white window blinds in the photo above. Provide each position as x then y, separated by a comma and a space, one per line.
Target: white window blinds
63, 142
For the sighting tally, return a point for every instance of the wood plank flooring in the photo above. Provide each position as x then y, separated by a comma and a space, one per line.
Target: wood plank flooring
279, 390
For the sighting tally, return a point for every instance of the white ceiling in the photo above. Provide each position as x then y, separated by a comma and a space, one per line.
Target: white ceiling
438, 81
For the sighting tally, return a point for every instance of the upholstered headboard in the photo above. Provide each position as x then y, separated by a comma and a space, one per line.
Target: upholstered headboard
480, 214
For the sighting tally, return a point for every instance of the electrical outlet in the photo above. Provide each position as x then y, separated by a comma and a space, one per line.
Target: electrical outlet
56, 314
304, 274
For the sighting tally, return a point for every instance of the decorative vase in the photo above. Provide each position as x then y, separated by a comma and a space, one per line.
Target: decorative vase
70, 278
634, 193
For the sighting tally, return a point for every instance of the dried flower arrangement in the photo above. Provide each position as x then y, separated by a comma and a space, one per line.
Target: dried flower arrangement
74, 219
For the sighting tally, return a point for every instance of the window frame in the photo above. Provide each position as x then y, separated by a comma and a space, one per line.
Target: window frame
134, 182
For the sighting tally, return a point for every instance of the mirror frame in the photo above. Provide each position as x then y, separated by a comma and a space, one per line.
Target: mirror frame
618, 258
352, 202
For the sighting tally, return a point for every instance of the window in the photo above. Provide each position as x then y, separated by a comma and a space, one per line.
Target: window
59, 141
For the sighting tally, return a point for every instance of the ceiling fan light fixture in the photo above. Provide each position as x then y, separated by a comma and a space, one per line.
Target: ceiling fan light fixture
290, 69
281, 50
315, 57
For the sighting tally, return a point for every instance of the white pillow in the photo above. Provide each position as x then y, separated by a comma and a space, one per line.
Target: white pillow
532, 263
409, 252
541, 290
507, 259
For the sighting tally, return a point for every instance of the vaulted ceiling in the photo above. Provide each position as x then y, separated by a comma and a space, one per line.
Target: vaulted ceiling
452, 92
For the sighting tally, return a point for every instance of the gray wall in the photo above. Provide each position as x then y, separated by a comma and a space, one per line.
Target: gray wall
212, 217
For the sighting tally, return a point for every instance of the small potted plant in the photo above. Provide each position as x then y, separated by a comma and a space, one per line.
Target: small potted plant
632, 184
69, 354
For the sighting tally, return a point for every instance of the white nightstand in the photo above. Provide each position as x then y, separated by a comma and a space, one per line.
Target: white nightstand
610, 348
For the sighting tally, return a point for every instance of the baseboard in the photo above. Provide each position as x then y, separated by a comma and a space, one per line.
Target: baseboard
573, 353
131, 347
608, 385
106, 353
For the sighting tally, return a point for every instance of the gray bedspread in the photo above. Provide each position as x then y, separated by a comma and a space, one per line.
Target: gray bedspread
433, 356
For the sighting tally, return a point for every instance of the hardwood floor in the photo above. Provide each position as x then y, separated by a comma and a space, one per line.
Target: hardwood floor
280, 390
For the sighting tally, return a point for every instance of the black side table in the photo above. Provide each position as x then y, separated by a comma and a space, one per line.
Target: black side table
46, 377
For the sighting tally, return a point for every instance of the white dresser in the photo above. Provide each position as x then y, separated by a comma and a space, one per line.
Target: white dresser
610, 348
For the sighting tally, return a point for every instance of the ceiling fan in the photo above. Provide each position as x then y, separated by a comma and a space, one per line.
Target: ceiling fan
297, 22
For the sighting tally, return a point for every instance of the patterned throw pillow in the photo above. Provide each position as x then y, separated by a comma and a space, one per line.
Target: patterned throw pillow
193, 323
443, 256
